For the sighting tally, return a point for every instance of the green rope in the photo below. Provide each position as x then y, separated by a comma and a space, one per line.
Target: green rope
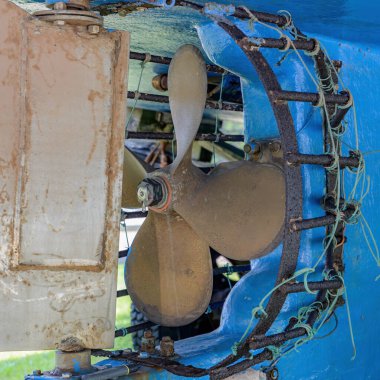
275, 350
323, 85
377, 151
137, 94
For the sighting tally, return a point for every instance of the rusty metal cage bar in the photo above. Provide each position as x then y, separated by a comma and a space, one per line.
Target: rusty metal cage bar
278, 99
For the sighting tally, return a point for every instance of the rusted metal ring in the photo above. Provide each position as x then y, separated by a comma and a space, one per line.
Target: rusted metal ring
350, 100
166, 202
316, 50
287, 45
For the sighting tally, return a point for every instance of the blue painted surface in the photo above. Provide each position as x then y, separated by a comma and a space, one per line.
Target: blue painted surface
349, 29
328, 358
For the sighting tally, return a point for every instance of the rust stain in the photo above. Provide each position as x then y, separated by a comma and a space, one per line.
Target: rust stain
58, 268
3, 166
83, 192
115, 163
93, 95
78, 334
26, 282
4, 196
71, 344
89, 332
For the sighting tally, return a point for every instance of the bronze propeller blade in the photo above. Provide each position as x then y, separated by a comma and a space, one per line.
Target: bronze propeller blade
239, 209
134, 171
169, 270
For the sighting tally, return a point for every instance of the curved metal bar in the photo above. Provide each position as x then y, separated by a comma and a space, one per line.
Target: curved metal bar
166, 61
210, 104
198, 137
293, 178
334, 254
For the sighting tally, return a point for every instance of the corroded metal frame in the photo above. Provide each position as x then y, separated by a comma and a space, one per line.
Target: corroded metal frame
294, 223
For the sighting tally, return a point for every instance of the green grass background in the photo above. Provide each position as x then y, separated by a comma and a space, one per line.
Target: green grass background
20, 364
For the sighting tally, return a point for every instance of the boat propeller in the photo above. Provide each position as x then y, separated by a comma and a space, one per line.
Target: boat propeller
238, 209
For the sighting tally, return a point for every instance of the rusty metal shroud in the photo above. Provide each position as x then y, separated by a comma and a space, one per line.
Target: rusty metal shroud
294, 223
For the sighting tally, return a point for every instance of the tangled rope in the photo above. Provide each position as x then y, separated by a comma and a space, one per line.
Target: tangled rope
323, 85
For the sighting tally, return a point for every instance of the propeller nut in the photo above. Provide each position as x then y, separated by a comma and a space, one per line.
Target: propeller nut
148, 342
167, 346
151, 192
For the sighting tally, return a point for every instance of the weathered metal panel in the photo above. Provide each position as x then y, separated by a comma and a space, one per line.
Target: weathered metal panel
62, 118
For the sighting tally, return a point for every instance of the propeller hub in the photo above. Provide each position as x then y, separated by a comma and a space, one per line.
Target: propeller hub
152, 192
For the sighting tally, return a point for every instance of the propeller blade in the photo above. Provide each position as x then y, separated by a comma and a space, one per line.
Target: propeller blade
187, 85
134, 171
169, 271
239, 209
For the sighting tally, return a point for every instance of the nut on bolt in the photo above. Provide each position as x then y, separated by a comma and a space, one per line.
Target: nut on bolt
247, 148
160, 82
93, 29
273, 374
60, 6
167, 346
148, 342
145, 193
151, 192
275, 146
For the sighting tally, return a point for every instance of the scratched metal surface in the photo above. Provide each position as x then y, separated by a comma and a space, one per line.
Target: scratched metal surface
62, 117
349, 30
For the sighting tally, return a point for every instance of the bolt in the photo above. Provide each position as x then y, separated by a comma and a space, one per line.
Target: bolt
59, 22
60, 6
167, 346
143, 194
93, 29
247, 148
150, 192
37, 372
273, 374
160, 82
275, 146
148, 342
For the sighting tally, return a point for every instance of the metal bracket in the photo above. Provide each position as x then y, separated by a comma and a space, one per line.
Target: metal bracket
265, 151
